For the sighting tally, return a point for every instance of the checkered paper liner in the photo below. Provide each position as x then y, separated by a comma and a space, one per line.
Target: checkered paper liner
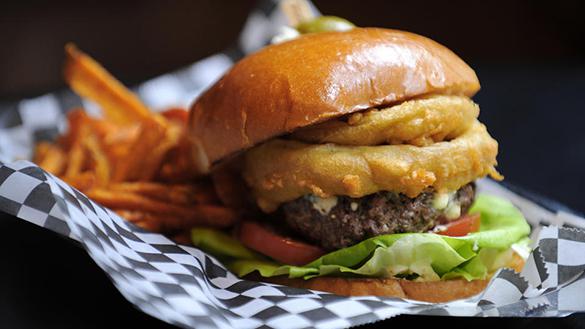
184, 286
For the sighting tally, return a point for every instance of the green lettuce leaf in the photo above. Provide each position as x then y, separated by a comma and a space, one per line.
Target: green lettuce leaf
420, 256
220, 244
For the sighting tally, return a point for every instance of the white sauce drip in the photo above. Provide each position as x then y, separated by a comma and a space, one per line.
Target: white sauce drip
440, 200
446, 202
324, 205
453, 211
439, 228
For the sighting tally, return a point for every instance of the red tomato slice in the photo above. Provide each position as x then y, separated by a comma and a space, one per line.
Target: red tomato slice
285, 250
178, 115
462, 226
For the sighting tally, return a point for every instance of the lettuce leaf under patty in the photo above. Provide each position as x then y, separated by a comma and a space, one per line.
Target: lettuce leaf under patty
419, 256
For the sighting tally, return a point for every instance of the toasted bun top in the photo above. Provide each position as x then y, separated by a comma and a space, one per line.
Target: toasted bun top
317, 77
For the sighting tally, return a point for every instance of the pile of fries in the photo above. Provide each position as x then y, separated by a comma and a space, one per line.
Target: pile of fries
131, 160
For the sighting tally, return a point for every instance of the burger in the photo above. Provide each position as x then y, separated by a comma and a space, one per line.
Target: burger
354, 154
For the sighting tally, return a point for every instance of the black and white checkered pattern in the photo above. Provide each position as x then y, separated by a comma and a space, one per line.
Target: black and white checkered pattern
186, 287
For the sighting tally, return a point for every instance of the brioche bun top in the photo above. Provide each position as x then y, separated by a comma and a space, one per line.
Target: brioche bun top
317, 77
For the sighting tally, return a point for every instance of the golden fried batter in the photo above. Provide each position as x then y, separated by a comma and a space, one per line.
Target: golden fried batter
283, 170
418, 122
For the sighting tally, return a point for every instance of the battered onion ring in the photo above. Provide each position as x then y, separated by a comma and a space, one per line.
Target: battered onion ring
283, 170
418, 122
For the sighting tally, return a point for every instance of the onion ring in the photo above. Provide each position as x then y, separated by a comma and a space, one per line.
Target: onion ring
283, 170
419, 122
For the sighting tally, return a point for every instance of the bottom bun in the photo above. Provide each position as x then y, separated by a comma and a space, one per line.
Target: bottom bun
432, 291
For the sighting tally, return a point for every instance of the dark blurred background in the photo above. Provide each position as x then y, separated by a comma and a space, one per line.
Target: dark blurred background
529, 56
138, 39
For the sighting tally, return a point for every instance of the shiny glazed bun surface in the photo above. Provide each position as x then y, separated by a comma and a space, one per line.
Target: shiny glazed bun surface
315, 78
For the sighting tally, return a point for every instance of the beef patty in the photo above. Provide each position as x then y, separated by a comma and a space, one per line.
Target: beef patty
343, 221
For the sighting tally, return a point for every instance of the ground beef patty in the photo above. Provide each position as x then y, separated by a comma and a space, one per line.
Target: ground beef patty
351, 220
